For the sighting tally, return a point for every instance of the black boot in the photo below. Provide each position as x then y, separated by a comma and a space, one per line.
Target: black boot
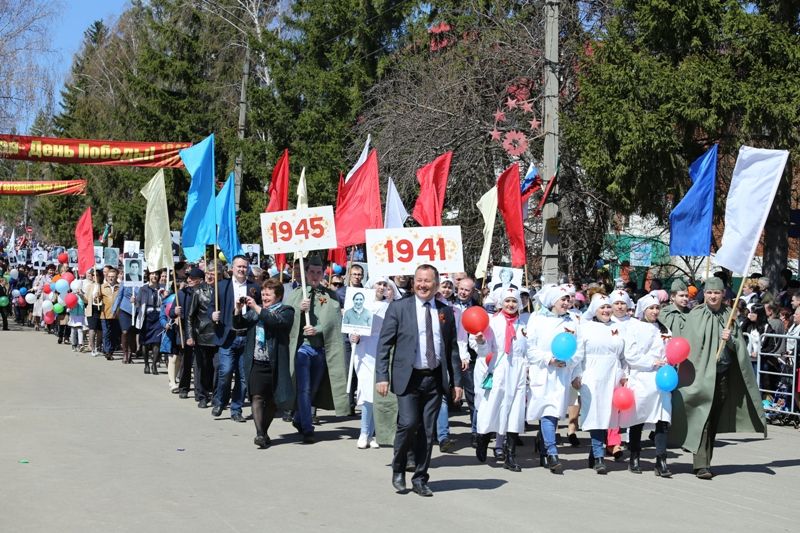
146, 362
600, 466
510, 446
633, 463
482, 447
154, 364
591, 458
554, 464
539, 448
662, 470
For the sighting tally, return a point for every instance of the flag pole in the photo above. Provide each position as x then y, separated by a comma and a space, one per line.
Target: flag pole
216, 278
349, 265
177, 299
730, 316
303, 282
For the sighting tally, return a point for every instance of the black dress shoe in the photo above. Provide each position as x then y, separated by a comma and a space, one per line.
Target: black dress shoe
421, 488
216, 410
237, 417
662, 470
573, 439
202, 404
554, 464
262, 441
183, 394
308, 438
474, 441
482, 446
499, 455
399, 481
703, 473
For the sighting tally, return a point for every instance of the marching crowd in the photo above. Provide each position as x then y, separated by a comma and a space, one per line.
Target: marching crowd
234, 334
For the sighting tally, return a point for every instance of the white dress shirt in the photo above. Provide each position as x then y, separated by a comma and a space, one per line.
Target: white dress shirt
239, 289
422, 361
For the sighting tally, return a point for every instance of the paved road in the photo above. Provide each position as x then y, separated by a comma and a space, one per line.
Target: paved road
110, 449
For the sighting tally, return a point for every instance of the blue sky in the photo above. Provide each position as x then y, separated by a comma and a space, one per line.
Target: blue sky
74, 16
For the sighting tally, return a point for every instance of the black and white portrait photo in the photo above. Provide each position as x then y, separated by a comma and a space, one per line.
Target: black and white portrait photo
359, 306
133, 272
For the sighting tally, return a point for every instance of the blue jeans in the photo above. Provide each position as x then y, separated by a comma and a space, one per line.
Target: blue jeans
309, 368
230, 359
110, 335
598, 442
548, 425
367, 422
443, 422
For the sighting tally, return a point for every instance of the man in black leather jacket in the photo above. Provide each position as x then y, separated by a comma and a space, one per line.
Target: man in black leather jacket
201, 338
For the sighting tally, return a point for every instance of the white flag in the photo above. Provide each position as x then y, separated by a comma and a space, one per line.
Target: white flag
487, 205
361, 159
755, 181
396, 214
12, 242
302, 202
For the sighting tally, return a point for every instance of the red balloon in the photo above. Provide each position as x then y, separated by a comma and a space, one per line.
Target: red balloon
623, 398
69, 276
475, 319
49, 317
46, 289
677, 350
63, 258
70, 300
21, 302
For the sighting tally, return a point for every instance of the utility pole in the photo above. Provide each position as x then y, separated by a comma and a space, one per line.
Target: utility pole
550, 211
237, 169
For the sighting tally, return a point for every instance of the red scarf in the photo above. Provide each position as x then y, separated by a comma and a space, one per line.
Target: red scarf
510, 330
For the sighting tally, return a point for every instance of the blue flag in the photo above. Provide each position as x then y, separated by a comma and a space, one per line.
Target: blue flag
228, 238
199, 222
690, 221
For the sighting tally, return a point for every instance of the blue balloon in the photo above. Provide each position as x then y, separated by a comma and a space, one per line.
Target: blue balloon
564, 346
667, 379
337, 269
62, 286
23, 291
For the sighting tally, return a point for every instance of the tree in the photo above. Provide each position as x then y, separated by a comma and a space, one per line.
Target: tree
661, 81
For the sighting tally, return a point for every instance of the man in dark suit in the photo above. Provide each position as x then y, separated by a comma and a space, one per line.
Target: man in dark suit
231, 341
422, 333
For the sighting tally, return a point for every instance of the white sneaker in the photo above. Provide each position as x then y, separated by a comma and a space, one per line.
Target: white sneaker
374, 444
362, 442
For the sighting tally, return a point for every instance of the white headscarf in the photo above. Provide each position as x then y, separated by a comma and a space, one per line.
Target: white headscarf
621, 296
569, 287
510, 293
645, 302
373, 281
541, 292
598, 301
549, 296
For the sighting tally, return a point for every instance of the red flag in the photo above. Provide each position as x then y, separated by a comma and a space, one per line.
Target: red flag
338, 255
508, 203
360, 208
432, 180
84, 236
279, 194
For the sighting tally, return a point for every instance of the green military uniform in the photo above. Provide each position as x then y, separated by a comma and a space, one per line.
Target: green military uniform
326, 317
714, 396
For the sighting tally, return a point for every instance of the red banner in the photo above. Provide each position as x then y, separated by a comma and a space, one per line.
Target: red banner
91, 152
43, 188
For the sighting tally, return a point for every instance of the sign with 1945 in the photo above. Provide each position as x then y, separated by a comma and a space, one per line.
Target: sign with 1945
398, 251
298, 230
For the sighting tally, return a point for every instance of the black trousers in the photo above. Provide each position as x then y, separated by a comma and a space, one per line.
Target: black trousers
417, 411
4, 315
185, 381
203, 372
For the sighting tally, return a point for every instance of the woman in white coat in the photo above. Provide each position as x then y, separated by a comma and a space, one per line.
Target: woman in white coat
365, 347
503, 351
549, 378
601, 358
644, 355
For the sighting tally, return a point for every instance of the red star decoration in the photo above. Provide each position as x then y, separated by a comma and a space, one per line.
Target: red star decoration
499, 116
511, 103
535, 124
527, 107
495, 134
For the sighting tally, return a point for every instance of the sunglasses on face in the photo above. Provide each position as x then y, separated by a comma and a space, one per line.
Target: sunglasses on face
337, 283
